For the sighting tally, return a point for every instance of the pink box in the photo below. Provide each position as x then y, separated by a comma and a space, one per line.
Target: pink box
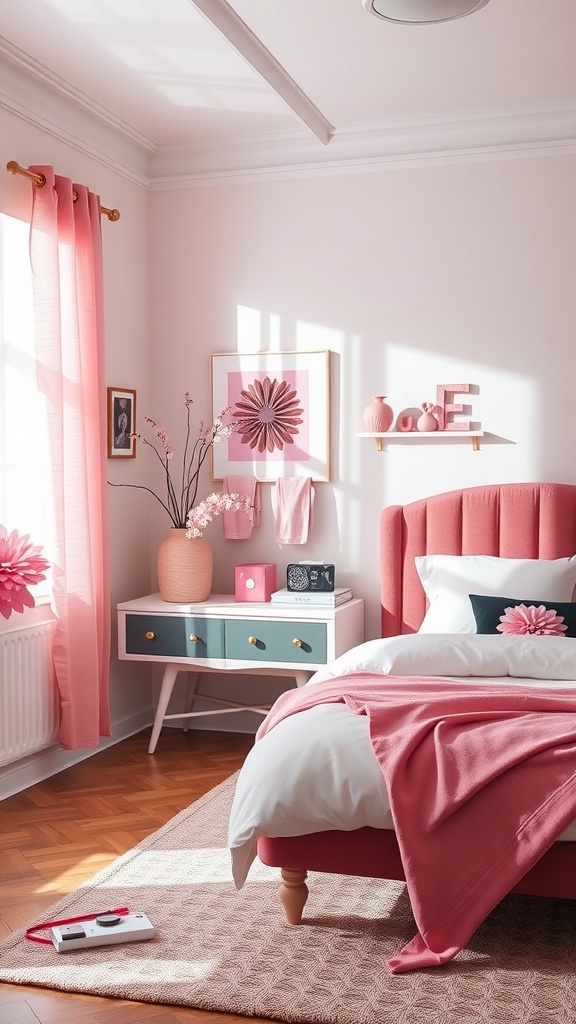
254, 582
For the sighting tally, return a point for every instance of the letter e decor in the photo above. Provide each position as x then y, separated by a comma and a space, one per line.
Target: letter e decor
445, 408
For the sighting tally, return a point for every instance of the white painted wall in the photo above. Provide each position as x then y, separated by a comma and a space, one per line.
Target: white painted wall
411, 276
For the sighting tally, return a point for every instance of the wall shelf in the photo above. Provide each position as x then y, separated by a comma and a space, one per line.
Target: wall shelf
416, 436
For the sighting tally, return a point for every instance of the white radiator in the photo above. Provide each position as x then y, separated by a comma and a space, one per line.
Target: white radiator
28, 694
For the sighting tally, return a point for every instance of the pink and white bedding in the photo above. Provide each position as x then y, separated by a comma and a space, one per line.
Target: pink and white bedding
447, 563
481, 779
316, 771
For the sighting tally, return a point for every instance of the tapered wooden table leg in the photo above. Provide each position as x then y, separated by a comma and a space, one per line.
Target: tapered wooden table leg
168, 680
293, 894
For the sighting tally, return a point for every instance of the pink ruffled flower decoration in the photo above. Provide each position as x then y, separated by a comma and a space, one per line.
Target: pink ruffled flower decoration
214, 505
536, 619
20, 567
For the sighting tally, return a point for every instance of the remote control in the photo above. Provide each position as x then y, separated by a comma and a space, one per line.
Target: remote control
105, 930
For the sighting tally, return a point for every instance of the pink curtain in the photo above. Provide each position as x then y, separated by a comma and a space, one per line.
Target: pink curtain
66, 255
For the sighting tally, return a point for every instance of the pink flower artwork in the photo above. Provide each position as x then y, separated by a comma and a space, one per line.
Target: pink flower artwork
535, 619
20, 567
268, 415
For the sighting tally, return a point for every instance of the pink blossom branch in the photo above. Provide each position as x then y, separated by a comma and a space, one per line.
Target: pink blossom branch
176, 506
214, 505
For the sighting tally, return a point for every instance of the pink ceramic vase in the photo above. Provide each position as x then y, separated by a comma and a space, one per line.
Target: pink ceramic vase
184, 568
378, 415
427, 421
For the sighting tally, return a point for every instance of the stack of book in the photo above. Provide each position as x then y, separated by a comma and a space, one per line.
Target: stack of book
329, 599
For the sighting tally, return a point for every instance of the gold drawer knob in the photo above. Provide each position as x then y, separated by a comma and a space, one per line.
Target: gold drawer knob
193, 638
150, 635
297, 641
252, 640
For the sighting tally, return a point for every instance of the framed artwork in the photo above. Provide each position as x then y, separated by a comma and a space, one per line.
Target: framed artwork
280, 404
121, 423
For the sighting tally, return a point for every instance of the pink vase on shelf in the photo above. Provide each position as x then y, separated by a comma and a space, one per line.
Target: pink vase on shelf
378, 415
427, 421
184, 568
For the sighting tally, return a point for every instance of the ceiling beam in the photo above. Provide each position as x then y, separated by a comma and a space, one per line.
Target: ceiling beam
236, 31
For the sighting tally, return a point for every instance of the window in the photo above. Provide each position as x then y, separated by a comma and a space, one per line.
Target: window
25, 487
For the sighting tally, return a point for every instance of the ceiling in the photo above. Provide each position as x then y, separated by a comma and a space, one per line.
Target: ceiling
221, 87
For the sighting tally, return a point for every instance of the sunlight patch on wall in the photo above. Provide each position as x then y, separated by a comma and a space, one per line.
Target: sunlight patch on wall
275, 332
249, 330
257, 331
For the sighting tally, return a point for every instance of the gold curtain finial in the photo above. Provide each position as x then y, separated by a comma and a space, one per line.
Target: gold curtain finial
13, 167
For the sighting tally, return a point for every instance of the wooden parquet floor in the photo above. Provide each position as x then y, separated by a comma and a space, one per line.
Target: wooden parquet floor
57, 834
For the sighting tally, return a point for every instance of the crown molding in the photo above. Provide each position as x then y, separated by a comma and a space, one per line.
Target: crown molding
38, 96
361, 165
513, 133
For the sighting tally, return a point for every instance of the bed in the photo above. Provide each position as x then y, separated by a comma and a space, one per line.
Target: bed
311, 795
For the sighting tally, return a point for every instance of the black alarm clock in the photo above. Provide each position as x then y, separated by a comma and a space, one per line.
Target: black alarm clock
306, 576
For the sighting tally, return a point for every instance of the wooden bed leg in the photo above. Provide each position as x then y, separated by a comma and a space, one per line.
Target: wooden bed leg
293, 894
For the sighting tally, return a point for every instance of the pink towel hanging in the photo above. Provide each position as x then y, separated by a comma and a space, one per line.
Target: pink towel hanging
294, 514
238, 525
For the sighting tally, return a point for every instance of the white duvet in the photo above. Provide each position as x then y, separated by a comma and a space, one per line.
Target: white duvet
316, 771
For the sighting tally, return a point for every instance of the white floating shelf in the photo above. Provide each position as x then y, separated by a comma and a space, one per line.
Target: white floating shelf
414, 436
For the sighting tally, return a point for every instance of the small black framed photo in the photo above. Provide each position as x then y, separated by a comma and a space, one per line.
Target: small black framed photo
121, 423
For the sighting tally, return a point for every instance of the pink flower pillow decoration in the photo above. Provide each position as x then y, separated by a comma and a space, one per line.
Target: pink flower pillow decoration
537, 620
515, 617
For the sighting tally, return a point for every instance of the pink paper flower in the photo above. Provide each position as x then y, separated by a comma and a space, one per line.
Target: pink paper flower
20, 567
269, 415
536, 619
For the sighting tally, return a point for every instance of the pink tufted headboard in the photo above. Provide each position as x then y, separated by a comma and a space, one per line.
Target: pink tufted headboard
510, 520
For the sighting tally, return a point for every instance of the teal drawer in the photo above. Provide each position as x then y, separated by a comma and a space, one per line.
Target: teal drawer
166, 636
274, 641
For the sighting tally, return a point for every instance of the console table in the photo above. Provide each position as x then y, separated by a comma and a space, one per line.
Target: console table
224, 635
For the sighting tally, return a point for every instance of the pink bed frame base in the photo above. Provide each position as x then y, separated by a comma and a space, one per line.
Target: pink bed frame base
532, 520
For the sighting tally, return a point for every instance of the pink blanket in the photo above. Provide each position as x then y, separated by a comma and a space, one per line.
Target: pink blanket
481, 779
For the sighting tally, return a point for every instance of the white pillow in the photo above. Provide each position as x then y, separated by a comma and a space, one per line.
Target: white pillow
528, 658
449, 579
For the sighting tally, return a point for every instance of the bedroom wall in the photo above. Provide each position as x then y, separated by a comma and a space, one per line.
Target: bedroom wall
411, 276
126, 311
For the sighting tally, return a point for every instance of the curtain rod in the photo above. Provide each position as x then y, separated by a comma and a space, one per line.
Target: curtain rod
39, 179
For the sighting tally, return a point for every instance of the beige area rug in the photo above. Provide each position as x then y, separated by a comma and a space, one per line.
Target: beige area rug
217, 949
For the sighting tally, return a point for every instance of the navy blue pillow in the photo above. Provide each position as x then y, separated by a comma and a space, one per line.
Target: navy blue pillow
487, 612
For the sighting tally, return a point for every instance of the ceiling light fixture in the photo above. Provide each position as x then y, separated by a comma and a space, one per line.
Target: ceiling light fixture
422, 12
